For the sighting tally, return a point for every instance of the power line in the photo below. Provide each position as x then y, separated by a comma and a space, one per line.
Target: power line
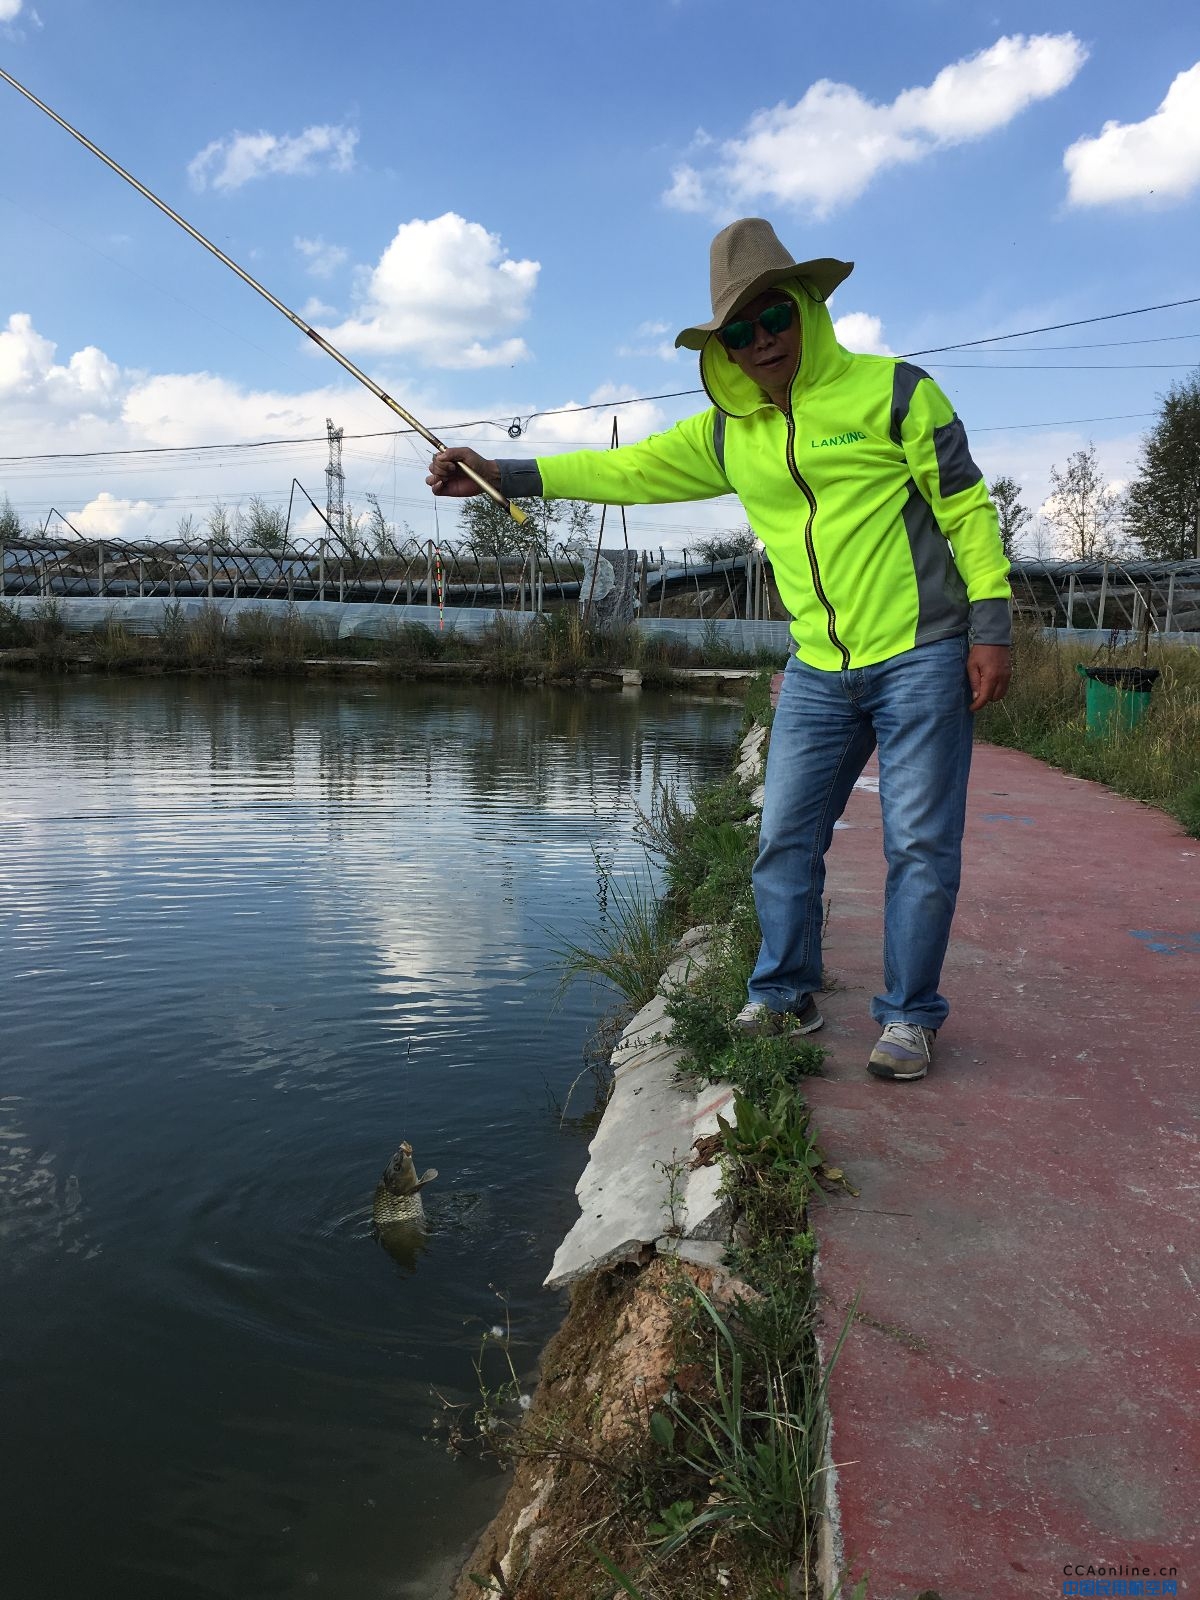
1053, 327
1067, 422
679, 394
1062, 366
1103, 344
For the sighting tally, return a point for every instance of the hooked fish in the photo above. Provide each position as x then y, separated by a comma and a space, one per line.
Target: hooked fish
398, 1192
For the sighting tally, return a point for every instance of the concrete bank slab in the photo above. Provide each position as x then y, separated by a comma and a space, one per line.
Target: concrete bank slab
1018, 1394
638, 1190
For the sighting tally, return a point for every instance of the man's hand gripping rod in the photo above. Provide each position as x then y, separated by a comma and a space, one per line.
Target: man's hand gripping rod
514, 512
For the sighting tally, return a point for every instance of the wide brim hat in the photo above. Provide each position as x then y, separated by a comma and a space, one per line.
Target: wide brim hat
746, 258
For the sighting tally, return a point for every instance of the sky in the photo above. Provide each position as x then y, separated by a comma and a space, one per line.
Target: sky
502, 213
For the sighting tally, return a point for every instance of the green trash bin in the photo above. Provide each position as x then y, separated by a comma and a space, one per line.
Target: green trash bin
1117, 698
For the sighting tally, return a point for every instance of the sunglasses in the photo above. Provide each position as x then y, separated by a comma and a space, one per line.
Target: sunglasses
740, 335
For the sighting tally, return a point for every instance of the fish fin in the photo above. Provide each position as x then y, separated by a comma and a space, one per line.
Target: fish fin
426, 1177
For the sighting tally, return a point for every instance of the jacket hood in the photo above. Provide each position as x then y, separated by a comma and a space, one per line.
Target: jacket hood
821, 359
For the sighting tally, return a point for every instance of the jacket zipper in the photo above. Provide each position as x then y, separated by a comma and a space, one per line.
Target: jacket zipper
831, 619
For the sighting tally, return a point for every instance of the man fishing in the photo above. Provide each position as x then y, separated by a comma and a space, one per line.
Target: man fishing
855, 473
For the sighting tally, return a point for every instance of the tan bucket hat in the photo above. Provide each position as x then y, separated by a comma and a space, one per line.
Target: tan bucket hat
746, 258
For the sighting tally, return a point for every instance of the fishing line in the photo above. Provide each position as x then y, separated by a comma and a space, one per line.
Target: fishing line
297, 321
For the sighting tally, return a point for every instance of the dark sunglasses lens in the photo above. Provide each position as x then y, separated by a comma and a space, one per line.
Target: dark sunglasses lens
776, 318
737, 335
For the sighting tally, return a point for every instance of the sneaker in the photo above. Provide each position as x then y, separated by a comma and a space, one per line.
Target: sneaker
904, 1051
759, 1021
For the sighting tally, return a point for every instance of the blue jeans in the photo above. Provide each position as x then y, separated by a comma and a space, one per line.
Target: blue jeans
914, 707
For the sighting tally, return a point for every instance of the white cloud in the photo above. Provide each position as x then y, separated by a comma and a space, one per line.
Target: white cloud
687, 192
320, 258
230, 162
315, 310
87, 402
1158, 158
10, 10
860, 331
445, 291
649, 341
186, 408
825, 149
25, 357
568, 429
108, 517
89, 383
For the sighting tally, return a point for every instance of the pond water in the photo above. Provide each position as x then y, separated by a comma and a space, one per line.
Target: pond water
253, 934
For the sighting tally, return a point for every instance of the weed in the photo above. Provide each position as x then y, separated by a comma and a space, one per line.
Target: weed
506, 648
675, 1205
253, 629
207, 638
280, 639
735, 1455
297, 637
758, 701
1043, 713
484, 1423
410, 642
14, 629
172, 633
47, 621
112, 645
1188, 808
631, 944
751, 1438
598, 1066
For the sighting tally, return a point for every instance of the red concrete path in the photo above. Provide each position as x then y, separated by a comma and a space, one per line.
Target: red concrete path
1019, 1392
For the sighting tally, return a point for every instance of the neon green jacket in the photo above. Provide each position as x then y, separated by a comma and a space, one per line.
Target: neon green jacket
876, 519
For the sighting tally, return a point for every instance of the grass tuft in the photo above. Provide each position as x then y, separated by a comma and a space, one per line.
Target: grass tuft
1044, 714
631, 944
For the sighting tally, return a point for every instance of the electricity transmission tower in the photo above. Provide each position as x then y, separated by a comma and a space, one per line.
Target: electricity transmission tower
335, 480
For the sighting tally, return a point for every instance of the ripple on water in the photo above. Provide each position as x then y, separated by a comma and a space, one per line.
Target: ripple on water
251, 937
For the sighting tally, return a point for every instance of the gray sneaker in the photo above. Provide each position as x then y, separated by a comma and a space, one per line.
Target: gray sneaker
760, 1022
904, 1051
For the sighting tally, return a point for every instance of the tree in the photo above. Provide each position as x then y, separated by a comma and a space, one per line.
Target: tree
10, 522
1083, 508
1163, 504
724, 546
266, 525
380, 535
491, 533
220, 528
1013, 514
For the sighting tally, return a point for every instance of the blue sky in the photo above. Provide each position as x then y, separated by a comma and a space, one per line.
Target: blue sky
500, 211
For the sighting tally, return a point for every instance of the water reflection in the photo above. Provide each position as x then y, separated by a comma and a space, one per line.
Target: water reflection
251, 936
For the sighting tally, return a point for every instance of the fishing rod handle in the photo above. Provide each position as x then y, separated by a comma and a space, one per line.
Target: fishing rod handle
514, 512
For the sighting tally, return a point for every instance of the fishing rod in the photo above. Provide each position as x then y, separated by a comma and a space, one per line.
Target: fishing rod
514, 512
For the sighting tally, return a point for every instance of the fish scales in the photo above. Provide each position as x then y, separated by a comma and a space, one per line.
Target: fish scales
398, 1192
